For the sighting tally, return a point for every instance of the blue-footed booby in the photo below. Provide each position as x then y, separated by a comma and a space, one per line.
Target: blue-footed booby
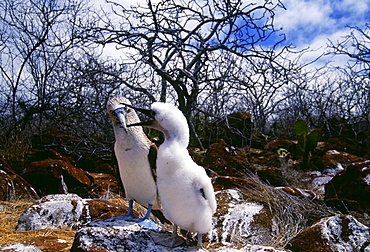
132, 149
185, 191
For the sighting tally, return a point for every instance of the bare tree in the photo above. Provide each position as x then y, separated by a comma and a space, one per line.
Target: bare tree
183, 40
37, 36
355, 83
356, 45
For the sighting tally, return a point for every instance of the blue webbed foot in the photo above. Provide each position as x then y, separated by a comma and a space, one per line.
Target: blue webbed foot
143, 222
147, 224
125, 217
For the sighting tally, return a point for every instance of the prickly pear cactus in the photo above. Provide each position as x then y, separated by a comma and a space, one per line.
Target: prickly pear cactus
307, 140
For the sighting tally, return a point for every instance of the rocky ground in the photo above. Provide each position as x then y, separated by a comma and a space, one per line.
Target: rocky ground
57, 198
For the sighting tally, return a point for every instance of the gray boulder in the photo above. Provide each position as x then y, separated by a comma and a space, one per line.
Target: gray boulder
239, 220
128, 236
55, 211
106, 236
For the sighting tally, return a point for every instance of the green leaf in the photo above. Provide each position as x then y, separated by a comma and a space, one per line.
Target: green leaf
312, 139
302, 141
301, 126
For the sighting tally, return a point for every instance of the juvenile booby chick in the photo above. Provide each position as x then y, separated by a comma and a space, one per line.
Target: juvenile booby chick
185, 191
132, 149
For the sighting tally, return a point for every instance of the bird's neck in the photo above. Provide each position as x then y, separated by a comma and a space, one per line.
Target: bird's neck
179, 138
131, 136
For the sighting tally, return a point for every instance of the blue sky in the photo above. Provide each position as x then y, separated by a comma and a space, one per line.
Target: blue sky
311, 23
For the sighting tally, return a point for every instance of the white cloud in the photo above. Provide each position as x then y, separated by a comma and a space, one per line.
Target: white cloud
304, 20
300, 13
319, 46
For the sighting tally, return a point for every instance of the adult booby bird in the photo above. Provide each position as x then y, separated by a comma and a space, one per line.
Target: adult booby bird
185, 191
133, 149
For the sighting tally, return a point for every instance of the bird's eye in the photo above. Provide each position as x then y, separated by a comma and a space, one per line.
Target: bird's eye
152, 113
201, 190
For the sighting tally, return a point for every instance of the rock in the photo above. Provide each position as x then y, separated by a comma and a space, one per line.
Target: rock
244, 248
52, 176
319, 182
105, 168
225, 160
117, 236
350, 189
336, 161
55, 211
40, 155
236, 221
51, 173
103, 185
13, 186
104, 209
239, 221
90, 164
336, 233
128, 236
342, 144
348, 145
69, 210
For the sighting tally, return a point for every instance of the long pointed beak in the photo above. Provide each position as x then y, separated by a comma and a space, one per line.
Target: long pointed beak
149, 123
148, 112
120, 113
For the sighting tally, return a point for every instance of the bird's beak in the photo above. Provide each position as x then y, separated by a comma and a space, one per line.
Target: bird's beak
148, 112
120, 114
149, 123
